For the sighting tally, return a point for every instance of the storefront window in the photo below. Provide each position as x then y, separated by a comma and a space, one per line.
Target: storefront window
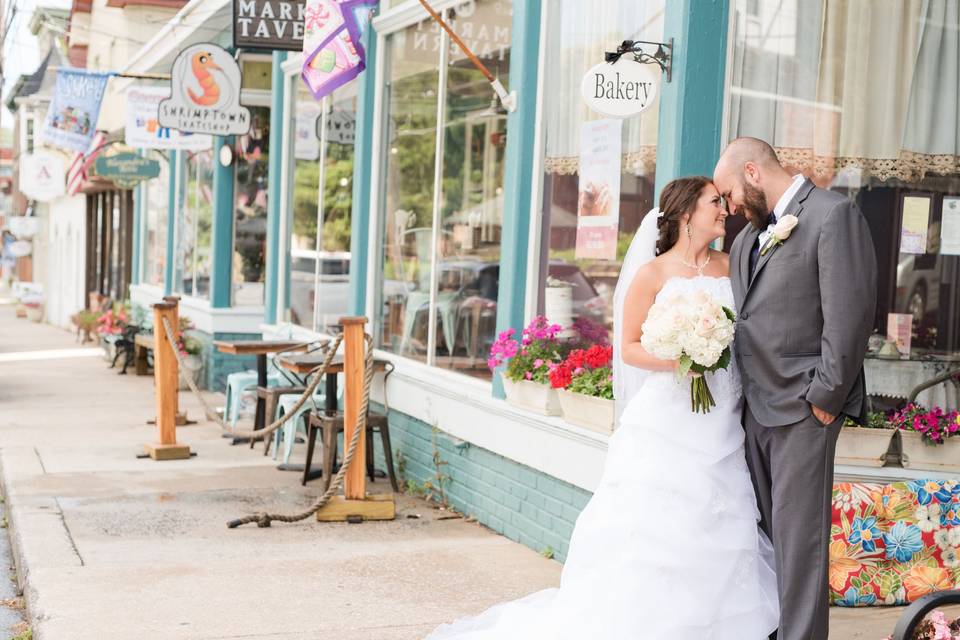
155, 195
250, 210
320, 252
441, 239
860, 97
194, 226
412, 79
577, 36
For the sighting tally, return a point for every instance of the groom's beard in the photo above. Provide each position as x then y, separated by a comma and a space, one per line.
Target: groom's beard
754, 206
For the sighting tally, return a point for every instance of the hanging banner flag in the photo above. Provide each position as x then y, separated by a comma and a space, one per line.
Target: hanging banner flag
42, 176
205, 93
143, 130
268, 24
598, 201
332, 51
72, 118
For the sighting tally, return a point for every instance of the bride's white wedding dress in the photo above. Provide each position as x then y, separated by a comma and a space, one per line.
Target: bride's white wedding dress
668, 548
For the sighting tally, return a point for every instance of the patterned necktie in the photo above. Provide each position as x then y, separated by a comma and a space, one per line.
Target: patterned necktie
761, 239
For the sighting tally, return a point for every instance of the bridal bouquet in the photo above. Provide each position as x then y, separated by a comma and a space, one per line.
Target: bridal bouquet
695, 330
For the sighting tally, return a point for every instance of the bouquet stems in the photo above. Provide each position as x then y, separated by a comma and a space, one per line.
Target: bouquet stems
701, 400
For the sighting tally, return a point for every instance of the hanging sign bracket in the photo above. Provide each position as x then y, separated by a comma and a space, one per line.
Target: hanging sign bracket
662, 57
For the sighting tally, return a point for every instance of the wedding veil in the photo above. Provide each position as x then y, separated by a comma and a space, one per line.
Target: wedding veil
627, 379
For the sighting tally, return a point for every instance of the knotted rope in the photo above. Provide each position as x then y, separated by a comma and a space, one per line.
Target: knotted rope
264, 519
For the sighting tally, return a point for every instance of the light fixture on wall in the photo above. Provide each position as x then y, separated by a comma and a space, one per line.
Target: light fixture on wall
225, 155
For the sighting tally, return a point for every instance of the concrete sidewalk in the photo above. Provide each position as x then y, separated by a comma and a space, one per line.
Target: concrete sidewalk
111, 546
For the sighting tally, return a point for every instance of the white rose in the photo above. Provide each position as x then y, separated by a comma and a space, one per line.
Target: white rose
784, 227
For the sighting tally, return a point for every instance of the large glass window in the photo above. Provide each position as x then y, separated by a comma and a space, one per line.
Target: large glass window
441, 224
577, 279
155, 196
320, 251
194, 226
250, 210
862, 98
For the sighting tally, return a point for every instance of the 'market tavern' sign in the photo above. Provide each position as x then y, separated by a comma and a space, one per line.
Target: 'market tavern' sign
268, 24
620, 89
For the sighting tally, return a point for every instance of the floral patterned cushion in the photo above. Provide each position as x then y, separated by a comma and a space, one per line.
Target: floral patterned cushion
893, 543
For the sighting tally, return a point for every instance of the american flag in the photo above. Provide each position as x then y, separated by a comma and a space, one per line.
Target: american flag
81, 163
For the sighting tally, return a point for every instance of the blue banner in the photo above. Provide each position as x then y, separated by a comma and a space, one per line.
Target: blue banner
74, 110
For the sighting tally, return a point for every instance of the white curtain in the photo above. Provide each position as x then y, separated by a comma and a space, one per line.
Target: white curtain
578, 35
865, 84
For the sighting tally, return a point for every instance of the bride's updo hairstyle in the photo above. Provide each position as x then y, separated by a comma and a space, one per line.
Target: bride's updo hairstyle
677, 198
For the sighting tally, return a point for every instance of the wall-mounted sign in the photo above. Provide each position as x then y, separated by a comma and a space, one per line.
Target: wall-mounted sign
74, 110
306, 142
619, 90
143, 130
126, 169
268, 24
205, 93
42, 176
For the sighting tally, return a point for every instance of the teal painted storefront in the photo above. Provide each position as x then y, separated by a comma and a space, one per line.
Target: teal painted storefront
523, 503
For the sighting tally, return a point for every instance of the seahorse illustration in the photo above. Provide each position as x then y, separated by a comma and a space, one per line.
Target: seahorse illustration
201, 64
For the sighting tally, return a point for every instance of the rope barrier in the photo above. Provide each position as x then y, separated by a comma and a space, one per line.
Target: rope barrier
264, 519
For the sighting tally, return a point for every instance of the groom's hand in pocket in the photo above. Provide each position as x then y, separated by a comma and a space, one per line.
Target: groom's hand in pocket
821, 415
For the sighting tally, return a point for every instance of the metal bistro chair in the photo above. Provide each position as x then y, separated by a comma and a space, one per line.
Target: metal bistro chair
917, 611
947, 377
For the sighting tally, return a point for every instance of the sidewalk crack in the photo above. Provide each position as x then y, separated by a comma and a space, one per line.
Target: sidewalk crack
66, 527
40, 460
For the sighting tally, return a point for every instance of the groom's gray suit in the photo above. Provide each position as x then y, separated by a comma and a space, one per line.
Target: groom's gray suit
805, 315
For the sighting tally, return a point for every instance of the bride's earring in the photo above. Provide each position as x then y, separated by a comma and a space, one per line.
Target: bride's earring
689, 233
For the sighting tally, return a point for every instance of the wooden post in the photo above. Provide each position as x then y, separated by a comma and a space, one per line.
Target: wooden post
355, 483
166, 377
355, 505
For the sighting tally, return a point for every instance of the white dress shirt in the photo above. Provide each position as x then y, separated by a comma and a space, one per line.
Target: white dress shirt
781, 206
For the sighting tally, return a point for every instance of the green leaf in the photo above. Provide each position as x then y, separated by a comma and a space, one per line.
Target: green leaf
685, 363
730, 314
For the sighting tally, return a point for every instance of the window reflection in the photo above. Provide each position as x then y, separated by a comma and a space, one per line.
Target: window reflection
250, 210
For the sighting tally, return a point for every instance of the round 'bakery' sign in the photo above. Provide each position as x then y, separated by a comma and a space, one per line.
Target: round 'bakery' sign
621, 89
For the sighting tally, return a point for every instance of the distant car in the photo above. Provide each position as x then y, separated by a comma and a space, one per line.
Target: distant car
334, 285
918, 285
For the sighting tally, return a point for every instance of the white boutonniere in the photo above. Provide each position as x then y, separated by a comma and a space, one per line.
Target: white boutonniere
780, 232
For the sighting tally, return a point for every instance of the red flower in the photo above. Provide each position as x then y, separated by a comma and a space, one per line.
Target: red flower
599, 356
561, 376
576, 358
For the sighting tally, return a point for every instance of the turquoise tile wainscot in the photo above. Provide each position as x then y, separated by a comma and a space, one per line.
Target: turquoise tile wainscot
217, 365
521, 503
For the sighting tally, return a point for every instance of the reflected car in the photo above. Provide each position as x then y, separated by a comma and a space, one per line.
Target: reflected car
334, 286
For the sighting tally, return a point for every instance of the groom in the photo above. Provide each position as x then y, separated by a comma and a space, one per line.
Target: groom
804, 279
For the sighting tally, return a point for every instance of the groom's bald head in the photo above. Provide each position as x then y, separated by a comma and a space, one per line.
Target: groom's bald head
750, 178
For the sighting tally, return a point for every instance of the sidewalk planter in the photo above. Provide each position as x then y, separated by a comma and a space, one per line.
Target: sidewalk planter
34, 314
917, 454
590, 412
20, 311
192, 366
532, 396
863, 447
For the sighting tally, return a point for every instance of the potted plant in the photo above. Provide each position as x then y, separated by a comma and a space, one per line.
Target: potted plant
865, 445
928, 438
110, 326
34, 310
584, 383
526, 376
86, 323
190, 349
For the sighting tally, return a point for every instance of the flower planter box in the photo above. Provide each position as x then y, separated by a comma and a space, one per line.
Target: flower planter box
863, 447
35, 314
192, 366
596, 414
532, 396
917, 454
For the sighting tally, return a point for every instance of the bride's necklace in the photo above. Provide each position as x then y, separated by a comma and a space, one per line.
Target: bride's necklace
698, 268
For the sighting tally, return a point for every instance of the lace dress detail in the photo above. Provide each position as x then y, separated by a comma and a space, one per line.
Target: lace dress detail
668, 546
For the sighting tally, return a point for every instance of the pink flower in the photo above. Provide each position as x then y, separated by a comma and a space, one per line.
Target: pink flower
528, 375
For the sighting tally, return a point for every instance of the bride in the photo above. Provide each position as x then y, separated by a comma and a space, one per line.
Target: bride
668, 547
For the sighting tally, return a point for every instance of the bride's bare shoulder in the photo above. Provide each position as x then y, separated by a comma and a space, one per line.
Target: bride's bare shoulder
649, 278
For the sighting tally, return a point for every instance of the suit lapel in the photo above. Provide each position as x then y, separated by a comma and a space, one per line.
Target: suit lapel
744, 259
794, 208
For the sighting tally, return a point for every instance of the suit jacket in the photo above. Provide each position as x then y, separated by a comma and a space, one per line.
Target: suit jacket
805, 315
